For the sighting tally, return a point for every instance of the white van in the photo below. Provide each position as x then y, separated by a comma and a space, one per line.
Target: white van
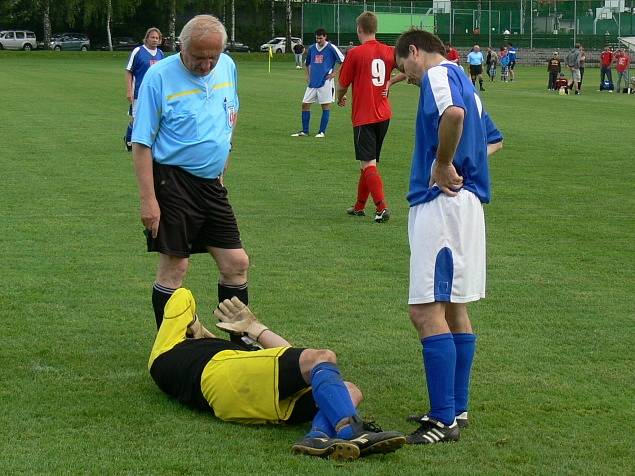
18, 40
278, 44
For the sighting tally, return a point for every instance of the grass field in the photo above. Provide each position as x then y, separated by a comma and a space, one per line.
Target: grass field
553, 381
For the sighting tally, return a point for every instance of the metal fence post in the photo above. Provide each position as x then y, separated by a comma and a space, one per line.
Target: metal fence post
531, 24
575, 21
489, 24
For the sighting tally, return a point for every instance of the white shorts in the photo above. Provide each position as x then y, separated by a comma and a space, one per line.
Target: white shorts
323, 95
447, 250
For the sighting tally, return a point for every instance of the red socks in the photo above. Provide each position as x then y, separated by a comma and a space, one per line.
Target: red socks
375, 185
362, 192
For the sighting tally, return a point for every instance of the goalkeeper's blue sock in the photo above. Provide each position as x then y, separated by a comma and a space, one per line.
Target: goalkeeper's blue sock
332, 397
439, 359
465, 348
306, 119
321, 427
129, 132
326, 113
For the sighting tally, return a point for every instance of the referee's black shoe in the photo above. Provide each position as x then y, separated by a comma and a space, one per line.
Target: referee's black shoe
370, 441
332, 448
432, 431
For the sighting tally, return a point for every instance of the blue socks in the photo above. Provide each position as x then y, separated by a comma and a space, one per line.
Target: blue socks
333, 400
321, 427
465, 348
439, 359
306, 118
326, 113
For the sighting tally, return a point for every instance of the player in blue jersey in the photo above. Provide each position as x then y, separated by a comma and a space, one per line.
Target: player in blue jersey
321, 61
511, 51
449, 182
187, 109
141, 58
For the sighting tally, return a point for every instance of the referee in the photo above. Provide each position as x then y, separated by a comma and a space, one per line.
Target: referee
186, 113
475, 60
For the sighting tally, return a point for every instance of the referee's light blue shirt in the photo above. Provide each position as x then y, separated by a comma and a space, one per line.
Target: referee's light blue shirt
187, 120
475, 58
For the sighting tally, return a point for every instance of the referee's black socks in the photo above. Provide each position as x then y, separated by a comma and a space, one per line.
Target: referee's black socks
228, 291
160, 296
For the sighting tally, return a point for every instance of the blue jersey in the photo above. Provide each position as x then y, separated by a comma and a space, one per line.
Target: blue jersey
140, 60
321, 63
475, 58
511, 51
443, 86
186, 119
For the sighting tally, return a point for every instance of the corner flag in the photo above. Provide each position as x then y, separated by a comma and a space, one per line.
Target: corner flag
270, 56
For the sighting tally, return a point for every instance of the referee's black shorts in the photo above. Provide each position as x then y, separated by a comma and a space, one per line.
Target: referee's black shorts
476, 69
368, 139
195, 214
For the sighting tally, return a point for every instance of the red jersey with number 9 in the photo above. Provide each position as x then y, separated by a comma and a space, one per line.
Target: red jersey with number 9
367, 67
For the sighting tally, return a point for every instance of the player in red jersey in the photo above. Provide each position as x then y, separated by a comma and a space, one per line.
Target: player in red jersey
367, 68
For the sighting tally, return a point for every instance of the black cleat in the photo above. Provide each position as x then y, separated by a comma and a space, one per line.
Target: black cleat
370, 441
128, 145
461, 419
332, 448
432, 431
356, 213
382, 216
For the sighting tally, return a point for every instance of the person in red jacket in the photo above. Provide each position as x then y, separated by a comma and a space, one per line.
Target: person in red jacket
606, 60
452, 54
367, 68
622, 62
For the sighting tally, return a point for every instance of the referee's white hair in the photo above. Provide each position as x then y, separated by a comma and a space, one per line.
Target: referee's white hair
199, 26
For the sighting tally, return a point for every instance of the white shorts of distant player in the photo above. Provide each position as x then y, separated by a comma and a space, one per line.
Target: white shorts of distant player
447, 250
323, 95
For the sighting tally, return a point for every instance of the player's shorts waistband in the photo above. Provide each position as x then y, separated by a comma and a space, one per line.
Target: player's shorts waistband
180, 170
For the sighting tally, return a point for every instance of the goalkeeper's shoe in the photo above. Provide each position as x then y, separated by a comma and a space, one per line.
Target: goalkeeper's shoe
369, 441
333, 448
432, 431
461, 419
354, 212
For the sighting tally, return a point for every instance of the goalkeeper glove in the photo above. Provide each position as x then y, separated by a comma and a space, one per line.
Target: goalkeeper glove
236, 318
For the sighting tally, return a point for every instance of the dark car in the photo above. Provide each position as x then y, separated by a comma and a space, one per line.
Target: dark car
237, 46
122, 43
69, 42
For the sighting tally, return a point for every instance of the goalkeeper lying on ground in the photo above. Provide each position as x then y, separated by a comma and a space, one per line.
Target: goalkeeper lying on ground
277, 384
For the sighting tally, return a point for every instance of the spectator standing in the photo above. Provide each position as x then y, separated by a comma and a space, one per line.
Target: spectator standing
298, 50
582, 65
622, 62
452, 54
491, 61
573, 63
141, 58
554, 68
504, 62
606, 60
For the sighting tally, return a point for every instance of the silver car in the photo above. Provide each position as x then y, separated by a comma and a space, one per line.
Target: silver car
70, 42
18, 40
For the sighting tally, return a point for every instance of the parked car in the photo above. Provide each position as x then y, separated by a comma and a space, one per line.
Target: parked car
69, 42
18, 40
237, 46
278, 44
123, 43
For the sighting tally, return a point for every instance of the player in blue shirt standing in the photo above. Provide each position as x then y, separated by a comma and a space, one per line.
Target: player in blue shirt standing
187, 110
475, 60
449, 182
321, 60
141, 58
511, 51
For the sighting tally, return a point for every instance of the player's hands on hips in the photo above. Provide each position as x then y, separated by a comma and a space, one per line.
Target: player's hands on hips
446, 178
342, 101
150, 215
236, 318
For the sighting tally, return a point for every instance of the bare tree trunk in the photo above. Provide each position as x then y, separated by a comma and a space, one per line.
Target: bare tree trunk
46, 20
172, 25
108, 23
288, 20
233, 36
273, 19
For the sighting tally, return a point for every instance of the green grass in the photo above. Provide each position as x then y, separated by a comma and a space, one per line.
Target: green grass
553, 379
